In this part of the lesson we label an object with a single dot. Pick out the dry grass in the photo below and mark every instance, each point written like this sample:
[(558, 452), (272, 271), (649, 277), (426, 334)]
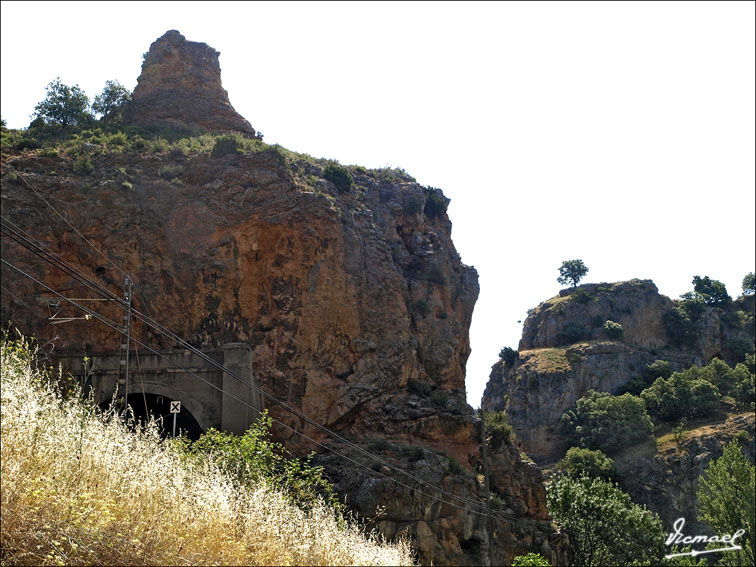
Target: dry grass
[(79, 489), (547, 360)]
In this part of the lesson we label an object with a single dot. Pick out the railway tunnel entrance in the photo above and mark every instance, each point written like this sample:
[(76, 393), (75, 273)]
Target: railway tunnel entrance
[(209, 396)]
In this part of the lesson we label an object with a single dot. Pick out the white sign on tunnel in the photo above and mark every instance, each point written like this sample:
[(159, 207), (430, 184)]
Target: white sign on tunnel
[(175, 406)]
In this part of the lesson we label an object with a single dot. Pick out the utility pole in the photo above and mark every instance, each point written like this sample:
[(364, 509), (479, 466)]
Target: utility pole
[(123, 375), (484, 449)]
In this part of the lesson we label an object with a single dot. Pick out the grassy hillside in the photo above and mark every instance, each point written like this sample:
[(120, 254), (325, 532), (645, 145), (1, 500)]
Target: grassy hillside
[(79, 488)]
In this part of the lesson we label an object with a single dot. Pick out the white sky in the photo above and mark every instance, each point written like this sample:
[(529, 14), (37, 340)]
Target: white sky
[(621, 133)]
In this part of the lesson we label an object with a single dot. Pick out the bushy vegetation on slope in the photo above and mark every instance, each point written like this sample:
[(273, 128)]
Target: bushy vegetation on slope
[(80, 487)]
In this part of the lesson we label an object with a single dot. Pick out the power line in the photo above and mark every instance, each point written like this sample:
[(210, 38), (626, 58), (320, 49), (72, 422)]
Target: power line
[(29, 185), (114, 326), (51, 258), (57, 262)]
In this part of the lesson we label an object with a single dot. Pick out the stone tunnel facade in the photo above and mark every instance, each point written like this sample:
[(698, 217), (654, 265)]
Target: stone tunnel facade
[(211, 401)]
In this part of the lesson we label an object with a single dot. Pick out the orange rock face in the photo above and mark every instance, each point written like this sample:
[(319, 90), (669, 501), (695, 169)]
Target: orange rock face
[(180, 86), (356, 305)]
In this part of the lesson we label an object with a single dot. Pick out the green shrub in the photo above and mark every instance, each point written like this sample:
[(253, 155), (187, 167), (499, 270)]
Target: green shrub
[(419, 388), (227, 145), (50, 152), (636, 384), (252, 458), (127, 185), (739, 347), (339, 176), (614, 331), (572, 333), (582, 296), (171, 171), (681, 395), (579, 461), (609, 423), (83, 165), (435, 202), (28, 144), (455, 466), (530, 560), (508, 355), (440, 398), (498, 430)]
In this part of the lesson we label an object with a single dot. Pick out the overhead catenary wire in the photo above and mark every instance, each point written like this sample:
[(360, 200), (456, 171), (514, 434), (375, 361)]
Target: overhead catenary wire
[(114, 326), (52, 258), (480, 512)]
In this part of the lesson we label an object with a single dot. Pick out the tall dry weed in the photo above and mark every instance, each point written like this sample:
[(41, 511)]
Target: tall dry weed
[(81, 488)]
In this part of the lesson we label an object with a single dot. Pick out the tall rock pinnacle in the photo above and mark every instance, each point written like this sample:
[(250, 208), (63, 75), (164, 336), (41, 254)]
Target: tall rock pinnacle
[(180, 86)]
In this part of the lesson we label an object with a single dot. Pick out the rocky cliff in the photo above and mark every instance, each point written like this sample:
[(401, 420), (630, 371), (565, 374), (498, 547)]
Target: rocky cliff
[(355, 301), (565, 351), (665, 477)]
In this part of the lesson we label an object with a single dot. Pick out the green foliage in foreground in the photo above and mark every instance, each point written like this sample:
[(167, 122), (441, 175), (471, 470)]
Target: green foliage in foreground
[(727, 495), (253, 458), (604, 526), (609, 423)]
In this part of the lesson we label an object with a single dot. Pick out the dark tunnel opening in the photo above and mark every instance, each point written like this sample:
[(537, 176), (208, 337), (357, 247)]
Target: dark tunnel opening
[(159, 407)]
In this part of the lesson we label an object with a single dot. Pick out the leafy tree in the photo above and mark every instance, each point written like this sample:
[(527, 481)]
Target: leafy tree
[(508, 355), (530, 560), (609, 423), (713, 292), (498, 430), (604, 525), (749, 284), (63, 105), (586, 462), (727, 497), (339, 176), (681, 395), (571, 272), (110, 101), (634, 386)]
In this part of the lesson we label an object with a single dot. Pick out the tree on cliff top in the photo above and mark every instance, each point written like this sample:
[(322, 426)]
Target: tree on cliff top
[(111, 100), (63, 105), (749, 284), (571, 272)]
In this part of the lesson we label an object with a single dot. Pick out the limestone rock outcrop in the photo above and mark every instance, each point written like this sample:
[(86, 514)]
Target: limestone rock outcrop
[(565, 352), (180, 87)]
